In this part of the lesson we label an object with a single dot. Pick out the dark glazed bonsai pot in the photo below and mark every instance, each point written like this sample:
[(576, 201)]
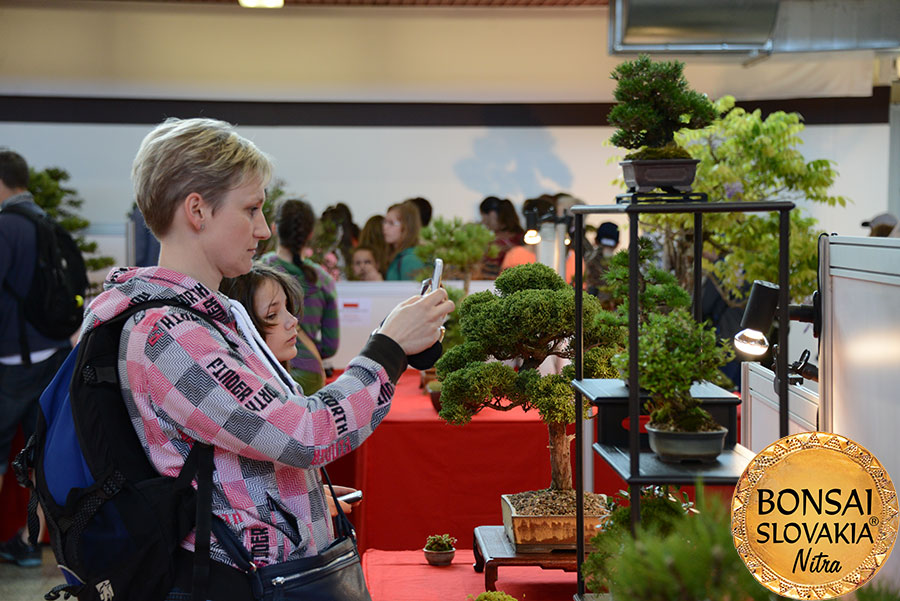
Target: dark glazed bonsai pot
[(676, 447), (439, 558), (667, 174)]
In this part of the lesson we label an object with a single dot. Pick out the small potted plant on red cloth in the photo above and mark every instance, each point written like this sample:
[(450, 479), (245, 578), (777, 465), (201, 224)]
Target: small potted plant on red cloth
[(439, 549)]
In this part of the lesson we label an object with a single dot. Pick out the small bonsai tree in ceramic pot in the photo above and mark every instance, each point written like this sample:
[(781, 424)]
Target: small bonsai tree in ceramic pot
[(439, 549), (674, 352), (654, 102)]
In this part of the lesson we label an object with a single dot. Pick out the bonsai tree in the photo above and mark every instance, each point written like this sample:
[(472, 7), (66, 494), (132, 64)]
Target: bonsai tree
[(694, 559), (62, 204), (744, 157), (461, 246), (440, 542), (274, 193), (492, 596), (661, 510), (674, 350), (654, 102), (529, 318)]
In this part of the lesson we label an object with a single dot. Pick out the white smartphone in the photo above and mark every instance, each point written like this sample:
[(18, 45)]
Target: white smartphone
[(437, 275), (351, 497), (434, 282)]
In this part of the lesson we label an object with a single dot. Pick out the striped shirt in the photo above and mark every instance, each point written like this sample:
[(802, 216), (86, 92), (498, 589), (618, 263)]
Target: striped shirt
[(182, 381)]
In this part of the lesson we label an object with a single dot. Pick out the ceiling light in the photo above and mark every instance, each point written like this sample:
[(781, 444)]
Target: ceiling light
[(261, 3)]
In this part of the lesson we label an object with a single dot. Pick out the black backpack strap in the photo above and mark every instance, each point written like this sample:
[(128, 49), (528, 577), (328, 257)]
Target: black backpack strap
[(200, 462)]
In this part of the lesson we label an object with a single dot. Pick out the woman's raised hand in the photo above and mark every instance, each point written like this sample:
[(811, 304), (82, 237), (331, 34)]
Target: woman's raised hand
[(415, 324)]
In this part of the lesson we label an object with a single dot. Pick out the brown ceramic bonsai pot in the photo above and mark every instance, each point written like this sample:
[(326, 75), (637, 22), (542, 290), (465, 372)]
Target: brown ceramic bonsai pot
[(666, 174), (676, 447), (439, 558)]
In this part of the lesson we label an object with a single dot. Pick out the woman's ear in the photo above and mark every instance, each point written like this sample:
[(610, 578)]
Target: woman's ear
[(195, 210)]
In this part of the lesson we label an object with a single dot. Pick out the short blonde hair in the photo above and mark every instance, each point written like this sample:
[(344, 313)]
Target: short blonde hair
[(182, 156)]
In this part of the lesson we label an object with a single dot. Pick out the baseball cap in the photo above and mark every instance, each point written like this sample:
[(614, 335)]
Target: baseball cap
[(883, 219)]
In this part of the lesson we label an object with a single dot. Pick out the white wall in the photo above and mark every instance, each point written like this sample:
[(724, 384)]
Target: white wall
[(454, 167), (163, 50)]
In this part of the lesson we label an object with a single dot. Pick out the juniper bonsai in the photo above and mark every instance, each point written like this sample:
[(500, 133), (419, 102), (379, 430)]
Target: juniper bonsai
[(674, 351), (654, 102), (530, 318)]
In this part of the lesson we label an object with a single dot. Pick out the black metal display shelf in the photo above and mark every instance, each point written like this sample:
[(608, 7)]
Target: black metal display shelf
[(727, 469), (635, 467)]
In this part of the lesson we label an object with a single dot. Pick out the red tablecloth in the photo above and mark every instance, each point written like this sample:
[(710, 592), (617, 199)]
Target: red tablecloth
[(422, 476), (406, 576)]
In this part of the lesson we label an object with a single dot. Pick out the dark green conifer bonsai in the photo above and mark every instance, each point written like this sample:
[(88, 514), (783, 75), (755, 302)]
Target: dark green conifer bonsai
[(531, 317), (674, 350), (654, 102)]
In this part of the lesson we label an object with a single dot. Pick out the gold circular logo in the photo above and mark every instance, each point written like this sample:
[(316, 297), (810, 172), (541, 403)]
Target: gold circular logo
[(814, 516)]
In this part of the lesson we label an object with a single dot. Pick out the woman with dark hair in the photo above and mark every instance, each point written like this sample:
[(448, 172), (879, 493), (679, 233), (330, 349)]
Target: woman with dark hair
[(319, 332), (401, 229), (273, 301), (499, 216), (372, 236)]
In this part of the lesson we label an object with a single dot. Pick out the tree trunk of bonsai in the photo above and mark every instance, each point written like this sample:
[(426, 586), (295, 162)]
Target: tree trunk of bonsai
[(560, 457)]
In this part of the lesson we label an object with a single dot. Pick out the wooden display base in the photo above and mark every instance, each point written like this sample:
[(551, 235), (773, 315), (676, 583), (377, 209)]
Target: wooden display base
[(492, 549)]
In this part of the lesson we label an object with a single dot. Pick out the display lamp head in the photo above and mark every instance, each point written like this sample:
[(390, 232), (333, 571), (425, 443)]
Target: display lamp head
[(760, 312), (757, 319), (532, 235)]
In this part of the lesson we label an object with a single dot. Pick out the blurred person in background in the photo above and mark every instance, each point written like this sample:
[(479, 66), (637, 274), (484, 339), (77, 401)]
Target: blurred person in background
[(401, 229), (319, 333)]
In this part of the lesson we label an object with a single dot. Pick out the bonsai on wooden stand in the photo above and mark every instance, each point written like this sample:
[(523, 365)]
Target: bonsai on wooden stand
[(530, 318)]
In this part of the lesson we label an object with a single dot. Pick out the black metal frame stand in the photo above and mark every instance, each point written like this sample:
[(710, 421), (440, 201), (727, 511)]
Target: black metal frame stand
[(633, 207)]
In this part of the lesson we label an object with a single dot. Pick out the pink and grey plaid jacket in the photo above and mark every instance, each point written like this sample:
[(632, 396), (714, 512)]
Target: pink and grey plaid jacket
[(182, 382)]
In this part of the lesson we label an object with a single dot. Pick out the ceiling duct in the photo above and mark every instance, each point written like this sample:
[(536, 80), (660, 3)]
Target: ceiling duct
[(752, 26)]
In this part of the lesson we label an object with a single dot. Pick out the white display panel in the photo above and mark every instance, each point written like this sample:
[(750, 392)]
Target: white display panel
[(860, 364), (759, 407)]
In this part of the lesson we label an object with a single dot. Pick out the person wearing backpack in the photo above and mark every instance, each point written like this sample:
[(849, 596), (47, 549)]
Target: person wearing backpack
[(28, 357), (189, 380)]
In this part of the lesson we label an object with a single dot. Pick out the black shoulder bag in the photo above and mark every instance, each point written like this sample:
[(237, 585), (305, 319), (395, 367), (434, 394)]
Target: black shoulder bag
[(335, 573)]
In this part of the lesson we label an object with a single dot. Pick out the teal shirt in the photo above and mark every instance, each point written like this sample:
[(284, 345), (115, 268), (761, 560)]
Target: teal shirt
[(405, 266)]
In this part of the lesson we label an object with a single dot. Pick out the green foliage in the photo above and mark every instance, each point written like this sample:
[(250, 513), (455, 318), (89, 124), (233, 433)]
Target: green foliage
[(673, 350), (274, 193), (493, 596), (530, 318), (452, 332), (746, 158), (62, 204), (654, 101), (461, 246), (660, 512), (440, 542), (325, 239), (881, 591), (695, 560)]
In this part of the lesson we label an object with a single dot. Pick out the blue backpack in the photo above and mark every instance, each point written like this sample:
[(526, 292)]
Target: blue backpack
[(115, 523)]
